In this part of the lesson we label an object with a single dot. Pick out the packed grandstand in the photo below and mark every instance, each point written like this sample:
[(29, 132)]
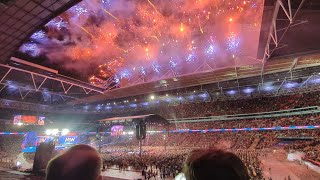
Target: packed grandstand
[(166, 146), (146, 83)]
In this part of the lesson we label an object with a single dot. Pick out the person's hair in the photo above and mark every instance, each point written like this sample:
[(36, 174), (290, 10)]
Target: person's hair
[(204, 164), (80, 162)]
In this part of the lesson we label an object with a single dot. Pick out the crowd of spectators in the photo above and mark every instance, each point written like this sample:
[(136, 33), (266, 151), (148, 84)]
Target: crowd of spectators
[(311, 148), (302, 120), (252, 162), (10, 147), (121, 151), (313, 153), (247, 144), (186, 109), (156, 161), (254, 105), (150, 164), (169, 164), (239, 140)]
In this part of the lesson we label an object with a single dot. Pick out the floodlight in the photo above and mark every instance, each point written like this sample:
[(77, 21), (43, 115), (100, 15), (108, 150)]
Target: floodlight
[(48, 132), (18, 163), (65, 132), (231, 92), (248, 90), (55, 131)]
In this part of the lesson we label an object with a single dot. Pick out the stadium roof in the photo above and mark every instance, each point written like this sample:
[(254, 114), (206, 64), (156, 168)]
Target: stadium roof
[(277, 73), (24, 81), (19, 19)]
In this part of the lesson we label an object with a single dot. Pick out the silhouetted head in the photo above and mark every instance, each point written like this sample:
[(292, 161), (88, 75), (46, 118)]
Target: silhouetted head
[(80, 162), (205, 164)]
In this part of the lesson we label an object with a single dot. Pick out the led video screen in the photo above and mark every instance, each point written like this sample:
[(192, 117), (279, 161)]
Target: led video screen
[(33, 139), (116, 130), (28, 120)]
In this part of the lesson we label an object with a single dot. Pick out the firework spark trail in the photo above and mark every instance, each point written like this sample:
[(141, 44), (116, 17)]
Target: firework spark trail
[(131, 48), (154, 7), (155, 37), (111, 14), (86, 31), (142, 25), (200, 27), (126, 51)]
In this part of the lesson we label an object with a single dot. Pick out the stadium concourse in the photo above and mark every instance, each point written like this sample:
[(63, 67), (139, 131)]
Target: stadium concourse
[(145, 84)]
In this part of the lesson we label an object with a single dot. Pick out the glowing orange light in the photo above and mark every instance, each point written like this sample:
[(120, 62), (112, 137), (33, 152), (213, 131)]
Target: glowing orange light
[(147, 50), (244, 2), (230, 19), (181, 28)]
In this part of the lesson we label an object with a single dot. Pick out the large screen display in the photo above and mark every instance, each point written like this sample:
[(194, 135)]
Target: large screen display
[(116, 130), (41, 120), (67, 140), (17, 120), (32, 140), (28, 120)]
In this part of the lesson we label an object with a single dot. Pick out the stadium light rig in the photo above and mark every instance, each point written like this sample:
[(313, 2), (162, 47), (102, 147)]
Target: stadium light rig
[(248, 90), (56, 132), (48, 132), (65, 131), (268, 87)]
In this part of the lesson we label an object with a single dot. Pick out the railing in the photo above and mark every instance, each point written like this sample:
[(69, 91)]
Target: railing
[(275, 128), (261, 115)]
